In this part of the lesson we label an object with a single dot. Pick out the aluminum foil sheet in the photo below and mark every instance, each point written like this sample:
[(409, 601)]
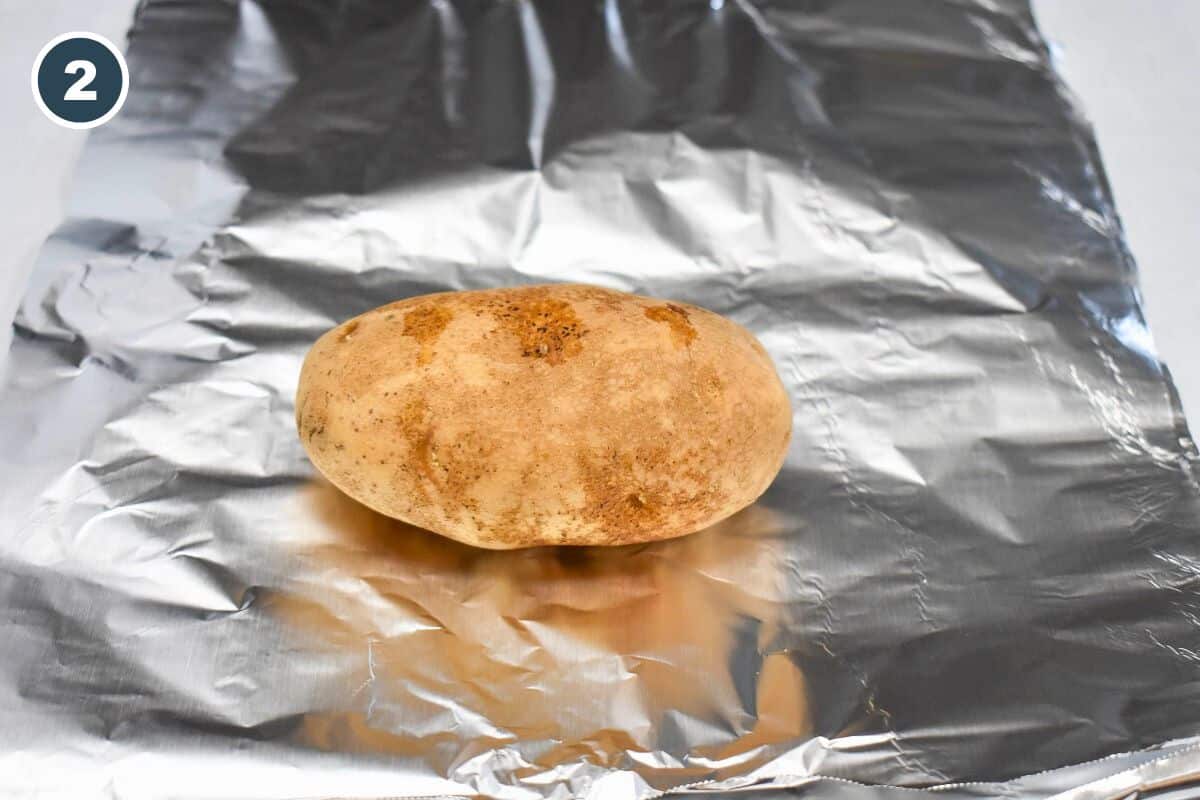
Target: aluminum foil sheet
[(979, 570)]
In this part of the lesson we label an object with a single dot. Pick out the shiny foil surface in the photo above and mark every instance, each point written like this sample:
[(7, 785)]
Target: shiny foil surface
[(978, 572)]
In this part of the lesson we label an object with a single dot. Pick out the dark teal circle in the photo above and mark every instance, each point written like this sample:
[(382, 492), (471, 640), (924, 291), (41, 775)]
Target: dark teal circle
[(53, 81)]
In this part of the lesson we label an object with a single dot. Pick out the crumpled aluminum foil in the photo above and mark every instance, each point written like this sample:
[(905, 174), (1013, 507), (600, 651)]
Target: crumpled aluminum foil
[(978, 571)]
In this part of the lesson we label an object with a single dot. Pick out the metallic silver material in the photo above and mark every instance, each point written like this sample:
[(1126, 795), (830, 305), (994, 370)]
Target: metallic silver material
[(979, 568)]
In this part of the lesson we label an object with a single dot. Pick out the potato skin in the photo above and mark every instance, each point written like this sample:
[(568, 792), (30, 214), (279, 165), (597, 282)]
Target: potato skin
[(535, 415)]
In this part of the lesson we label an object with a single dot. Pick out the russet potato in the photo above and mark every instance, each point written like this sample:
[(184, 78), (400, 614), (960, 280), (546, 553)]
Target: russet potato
[(535, 415)]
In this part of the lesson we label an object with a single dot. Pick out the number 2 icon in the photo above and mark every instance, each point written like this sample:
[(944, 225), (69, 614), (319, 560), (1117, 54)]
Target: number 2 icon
[(78, 90), (79, 80)]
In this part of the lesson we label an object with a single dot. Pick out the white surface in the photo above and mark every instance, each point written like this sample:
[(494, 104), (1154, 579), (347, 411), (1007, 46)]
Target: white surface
[(1133, 64), (37, 157)]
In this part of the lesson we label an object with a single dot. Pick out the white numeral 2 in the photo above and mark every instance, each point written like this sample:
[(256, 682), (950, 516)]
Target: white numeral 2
[(78, 89)]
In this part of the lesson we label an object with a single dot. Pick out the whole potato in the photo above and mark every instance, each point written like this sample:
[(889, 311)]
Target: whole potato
[(558, 414)]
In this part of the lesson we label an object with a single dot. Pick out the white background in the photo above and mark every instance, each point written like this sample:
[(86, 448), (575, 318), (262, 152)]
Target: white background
[(1134, 65)]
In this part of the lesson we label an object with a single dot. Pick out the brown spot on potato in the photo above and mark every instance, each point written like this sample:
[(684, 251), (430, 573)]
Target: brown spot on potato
[(621, 515), (412, 425), (710, 384), (425, 324), (426, 457), (348, 331), (312, 414), (545, 327), (676, 318)]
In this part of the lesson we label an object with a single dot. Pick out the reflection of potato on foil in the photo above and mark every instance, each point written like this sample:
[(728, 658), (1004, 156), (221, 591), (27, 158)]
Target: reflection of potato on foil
[(588, 652)]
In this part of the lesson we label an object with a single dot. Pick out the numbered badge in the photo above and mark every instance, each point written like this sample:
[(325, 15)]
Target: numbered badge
[(80, 80)]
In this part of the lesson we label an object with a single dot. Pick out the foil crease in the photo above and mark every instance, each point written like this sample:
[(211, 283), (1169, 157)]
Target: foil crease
[(978, 572)]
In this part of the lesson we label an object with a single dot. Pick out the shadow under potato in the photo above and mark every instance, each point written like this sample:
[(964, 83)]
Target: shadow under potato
[(562, 652)]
